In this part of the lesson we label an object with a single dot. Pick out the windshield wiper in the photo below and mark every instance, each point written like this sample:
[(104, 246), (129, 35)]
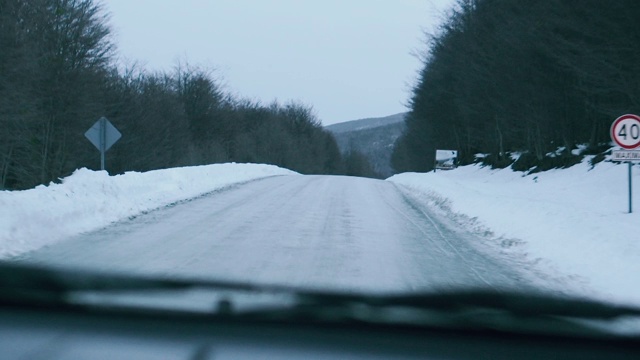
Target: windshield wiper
[(525, 304), (471, 308), (25, 285)]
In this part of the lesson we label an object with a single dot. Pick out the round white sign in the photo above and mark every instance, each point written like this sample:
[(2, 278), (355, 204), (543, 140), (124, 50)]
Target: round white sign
[(625, 131)]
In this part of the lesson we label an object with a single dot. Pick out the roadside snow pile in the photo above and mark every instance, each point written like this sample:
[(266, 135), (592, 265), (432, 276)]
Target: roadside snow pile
[(88, 200), (569, 222)]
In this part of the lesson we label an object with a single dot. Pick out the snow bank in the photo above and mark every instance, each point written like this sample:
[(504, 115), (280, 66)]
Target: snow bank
[(572, 221), (88, 200)]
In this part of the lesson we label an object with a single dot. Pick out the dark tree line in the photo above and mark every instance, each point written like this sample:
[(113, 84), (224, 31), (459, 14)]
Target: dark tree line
[(504, 76), (57, 77)]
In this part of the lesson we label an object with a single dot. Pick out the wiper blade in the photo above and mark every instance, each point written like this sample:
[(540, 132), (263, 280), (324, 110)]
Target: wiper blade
[(29, 286), (17, 279), (477, 309), (470, 308), (524, 304), (25, 282)]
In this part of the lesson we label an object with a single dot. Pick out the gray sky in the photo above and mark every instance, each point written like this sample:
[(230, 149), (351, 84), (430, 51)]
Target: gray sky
[(349, 59)]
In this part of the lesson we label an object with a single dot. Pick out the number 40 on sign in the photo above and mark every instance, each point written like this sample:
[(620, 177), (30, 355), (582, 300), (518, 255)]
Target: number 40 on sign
[(625, 131)]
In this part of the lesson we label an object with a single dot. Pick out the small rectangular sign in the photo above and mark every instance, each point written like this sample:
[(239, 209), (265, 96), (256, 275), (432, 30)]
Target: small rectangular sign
[(626, 155), (444, 155), (446, 159)]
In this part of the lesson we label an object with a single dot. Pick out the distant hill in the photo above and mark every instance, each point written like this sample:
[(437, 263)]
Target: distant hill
[(363, 124), (373, 137)]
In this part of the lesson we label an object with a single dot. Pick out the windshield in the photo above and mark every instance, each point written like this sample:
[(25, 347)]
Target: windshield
[(367, 148)]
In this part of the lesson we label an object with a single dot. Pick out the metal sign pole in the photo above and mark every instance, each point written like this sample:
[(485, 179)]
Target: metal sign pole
[(103, 140), (630, 189)]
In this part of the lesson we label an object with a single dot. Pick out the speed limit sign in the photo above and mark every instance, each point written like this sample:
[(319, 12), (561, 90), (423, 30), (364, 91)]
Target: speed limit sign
[(625, 131)]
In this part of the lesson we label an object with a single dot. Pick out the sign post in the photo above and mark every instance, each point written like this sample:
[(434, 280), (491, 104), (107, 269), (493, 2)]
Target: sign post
[(630, 189), (625, 132), (103, 135)]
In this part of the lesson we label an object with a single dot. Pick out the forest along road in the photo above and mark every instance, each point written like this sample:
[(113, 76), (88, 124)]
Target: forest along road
[(311, 231)]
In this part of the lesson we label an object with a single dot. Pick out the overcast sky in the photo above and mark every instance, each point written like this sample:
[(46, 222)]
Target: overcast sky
[(349, 59)]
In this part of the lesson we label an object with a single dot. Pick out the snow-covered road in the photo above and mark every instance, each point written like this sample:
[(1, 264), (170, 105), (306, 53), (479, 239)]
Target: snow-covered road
[(311, 231)]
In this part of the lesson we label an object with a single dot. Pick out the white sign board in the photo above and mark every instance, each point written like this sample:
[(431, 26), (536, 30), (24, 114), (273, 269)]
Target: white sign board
[(446, 159), (626, 155), (444, 155)]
